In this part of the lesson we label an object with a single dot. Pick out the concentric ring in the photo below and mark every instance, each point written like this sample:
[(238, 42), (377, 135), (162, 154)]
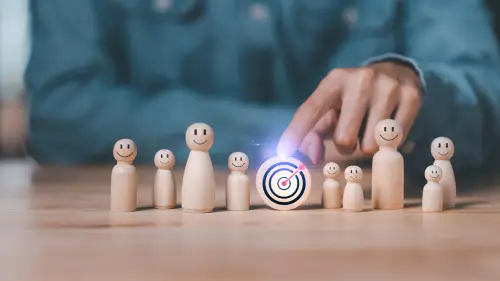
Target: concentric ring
[(273, 173)]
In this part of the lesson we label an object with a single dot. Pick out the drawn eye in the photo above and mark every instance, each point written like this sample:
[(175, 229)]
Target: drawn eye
[(241, 158), (393, 129), (351, 171), (128, 146), (121, 146), (385, 129), (195, 132), (439, 145), (167, 155), (205, 132), (161, 155), (356, 171), (446, 145), (235, 158)]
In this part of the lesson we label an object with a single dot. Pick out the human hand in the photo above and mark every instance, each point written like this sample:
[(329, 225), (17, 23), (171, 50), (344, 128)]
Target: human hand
[(339, 104)]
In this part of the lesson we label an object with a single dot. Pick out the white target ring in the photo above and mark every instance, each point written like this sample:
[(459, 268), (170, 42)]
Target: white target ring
[(283, 183)]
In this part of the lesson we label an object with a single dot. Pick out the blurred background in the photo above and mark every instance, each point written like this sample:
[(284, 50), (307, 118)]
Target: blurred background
[(14, 52)]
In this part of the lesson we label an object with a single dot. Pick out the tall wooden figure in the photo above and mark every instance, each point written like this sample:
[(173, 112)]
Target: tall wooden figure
[(238, 183), (442, 149), (123, 177), (432, 195), (388, 167), (164, 189), (332, 193), (198, 184), (353, 198)]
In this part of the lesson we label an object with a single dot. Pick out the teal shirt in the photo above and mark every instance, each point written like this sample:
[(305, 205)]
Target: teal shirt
[(102, 70)]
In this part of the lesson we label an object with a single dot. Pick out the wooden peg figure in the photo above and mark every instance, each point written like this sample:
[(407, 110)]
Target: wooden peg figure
[(238, 183), (123, 177), (164, 190), (442, 149), (332, 193), (198, 184), (353, 198), (432, 195), (388, 167)]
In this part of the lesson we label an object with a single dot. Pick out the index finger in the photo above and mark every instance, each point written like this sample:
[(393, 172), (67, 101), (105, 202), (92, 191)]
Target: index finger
[(310, 112)]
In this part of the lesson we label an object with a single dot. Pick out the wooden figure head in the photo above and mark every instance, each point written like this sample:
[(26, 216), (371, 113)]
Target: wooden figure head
[(125, 150), (353, 174), (238, 162), (433, 173), (442, 148), (331, 170), (200, 137), (164, 159), (388, 133)]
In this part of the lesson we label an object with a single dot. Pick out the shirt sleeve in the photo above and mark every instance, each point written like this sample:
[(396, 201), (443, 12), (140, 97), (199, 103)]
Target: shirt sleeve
[(79, 108), (452, 46)]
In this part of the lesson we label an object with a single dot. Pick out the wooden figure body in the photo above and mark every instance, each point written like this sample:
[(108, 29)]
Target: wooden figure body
[(332, 193), (123, 197), (238, 183), (388, 167), (353, 198), (442, 149), (198, 184), (164, 189), (432, 195)]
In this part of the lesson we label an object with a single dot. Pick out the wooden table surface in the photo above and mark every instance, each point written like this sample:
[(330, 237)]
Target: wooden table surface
[(55, 225)]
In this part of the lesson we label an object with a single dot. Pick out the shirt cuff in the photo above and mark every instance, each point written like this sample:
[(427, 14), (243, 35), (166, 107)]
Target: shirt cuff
[(402, 60)]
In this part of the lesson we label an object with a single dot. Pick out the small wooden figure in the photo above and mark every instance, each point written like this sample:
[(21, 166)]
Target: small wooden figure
[(238, 183), (164, 190), (442, 149), (198, 184), (432, 195), (123, 177), (353, 198), (388, 167), (332, 193)]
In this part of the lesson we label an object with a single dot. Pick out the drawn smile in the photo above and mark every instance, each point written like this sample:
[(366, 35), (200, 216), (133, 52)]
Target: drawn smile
[(200, 143), (353, 178), (164, 162), (238, 166), (442, 153), (334, 172), (389, 139), (125, 155), (435, 177)]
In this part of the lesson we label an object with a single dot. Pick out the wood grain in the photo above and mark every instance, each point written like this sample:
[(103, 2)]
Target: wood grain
[(56, 226)]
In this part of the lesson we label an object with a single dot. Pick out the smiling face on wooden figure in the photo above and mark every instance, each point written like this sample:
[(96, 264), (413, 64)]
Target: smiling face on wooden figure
[(442, 148), (331, 170), (353, 174), (238, 162), (388, 133), (125, 150), (164, 159), (200, 137)]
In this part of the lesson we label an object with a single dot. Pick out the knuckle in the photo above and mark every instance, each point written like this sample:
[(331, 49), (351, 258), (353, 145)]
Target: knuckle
[(311, 106), (345, 141), (336, 73), (410, 94), (365, 79), (388, 84)]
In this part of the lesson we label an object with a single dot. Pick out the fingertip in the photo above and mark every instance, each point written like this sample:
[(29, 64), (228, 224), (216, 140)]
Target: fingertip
[(285, 148)]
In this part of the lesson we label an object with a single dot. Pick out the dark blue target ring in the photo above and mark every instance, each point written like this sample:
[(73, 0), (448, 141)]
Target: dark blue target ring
[(299, 187)]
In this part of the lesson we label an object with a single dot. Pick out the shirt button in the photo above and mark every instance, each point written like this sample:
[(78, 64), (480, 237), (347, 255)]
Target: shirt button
[(350, 16), (259, 12), (161, 6)]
